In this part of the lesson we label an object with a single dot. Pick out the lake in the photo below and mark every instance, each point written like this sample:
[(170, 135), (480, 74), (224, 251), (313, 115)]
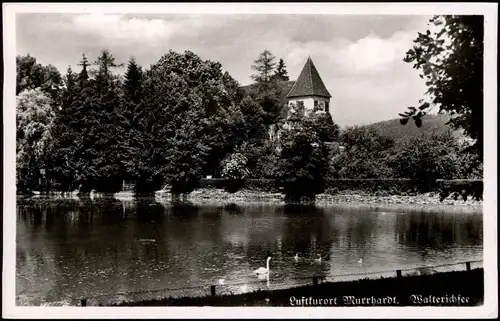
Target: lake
[(67, 249)]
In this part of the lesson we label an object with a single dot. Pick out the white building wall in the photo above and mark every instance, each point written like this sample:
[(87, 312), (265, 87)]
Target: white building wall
[(309, 102)]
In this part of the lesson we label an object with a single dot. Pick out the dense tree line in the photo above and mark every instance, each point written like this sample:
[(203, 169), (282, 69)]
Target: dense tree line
[(168, 125), (428, 156), (184, 118)]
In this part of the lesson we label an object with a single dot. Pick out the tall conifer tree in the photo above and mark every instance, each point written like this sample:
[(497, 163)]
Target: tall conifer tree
[(281, 73), (264, 66)]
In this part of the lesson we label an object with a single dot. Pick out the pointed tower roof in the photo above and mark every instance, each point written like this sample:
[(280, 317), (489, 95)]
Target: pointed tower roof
[(309, 83)]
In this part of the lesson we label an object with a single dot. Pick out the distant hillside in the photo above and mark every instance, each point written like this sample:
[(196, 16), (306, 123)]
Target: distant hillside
[(391, 128), (430, 124)]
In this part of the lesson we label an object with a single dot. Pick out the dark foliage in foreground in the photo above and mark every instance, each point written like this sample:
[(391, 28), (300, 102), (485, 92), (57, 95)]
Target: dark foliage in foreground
[(451, 62)]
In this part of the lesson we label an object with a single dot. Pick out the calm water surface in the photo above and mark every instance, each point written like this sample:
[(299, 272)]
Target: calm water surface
[(72, 248)]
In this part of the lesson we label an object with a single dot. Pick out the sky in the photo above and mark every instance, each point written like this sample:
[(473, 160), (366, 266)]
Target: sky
[(359, 57)]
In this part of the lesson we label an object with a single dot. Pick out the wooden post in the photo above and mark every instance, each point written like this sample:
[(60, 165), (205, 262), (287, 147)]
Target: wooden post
[(84, 302), (212, 289), (315, 280), (398, 273), (467, 265)]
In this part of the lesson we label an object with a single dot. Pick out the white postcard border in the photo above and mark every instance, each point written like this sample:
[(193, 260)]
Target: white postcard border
[(490, 307)]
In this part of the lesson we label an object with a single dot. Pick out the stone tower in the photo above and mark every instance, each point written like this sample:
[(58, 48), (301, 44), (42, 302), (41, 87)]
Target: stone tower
[(309, 92)]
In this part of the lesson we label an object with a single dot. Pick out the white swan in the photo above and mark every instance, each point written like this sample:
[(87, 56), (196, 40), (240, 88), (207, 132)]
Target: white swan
[(221, 281), (262, 270), (318, 259), (360, 261), (296, 257)]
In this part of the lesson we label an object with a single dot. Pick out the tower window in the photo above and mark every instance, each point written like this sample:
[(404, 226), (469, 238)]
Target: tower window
[(327, 106), (317, 105)]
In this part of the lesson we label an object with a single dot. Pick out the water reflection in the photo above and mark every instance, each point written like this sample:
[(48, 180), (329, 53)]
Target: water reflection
[(435, 233), (233, 208), (72, 247)]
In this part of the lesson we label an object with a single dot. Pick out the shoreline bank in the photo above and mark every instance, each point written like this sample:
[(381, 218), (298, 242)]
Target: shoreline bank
[(440, 289), (413, 289), (354, 198), (219, 196)]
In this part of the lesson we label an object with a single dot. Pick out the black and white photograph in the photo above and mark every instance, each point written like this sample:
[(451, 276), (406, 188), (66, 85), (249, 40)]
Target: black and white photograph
[(307, 156)]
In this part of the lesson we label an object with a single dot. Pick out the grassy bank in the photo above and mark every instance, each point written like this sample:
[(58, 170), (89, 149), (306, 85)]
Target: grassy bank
[(441, 289)]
